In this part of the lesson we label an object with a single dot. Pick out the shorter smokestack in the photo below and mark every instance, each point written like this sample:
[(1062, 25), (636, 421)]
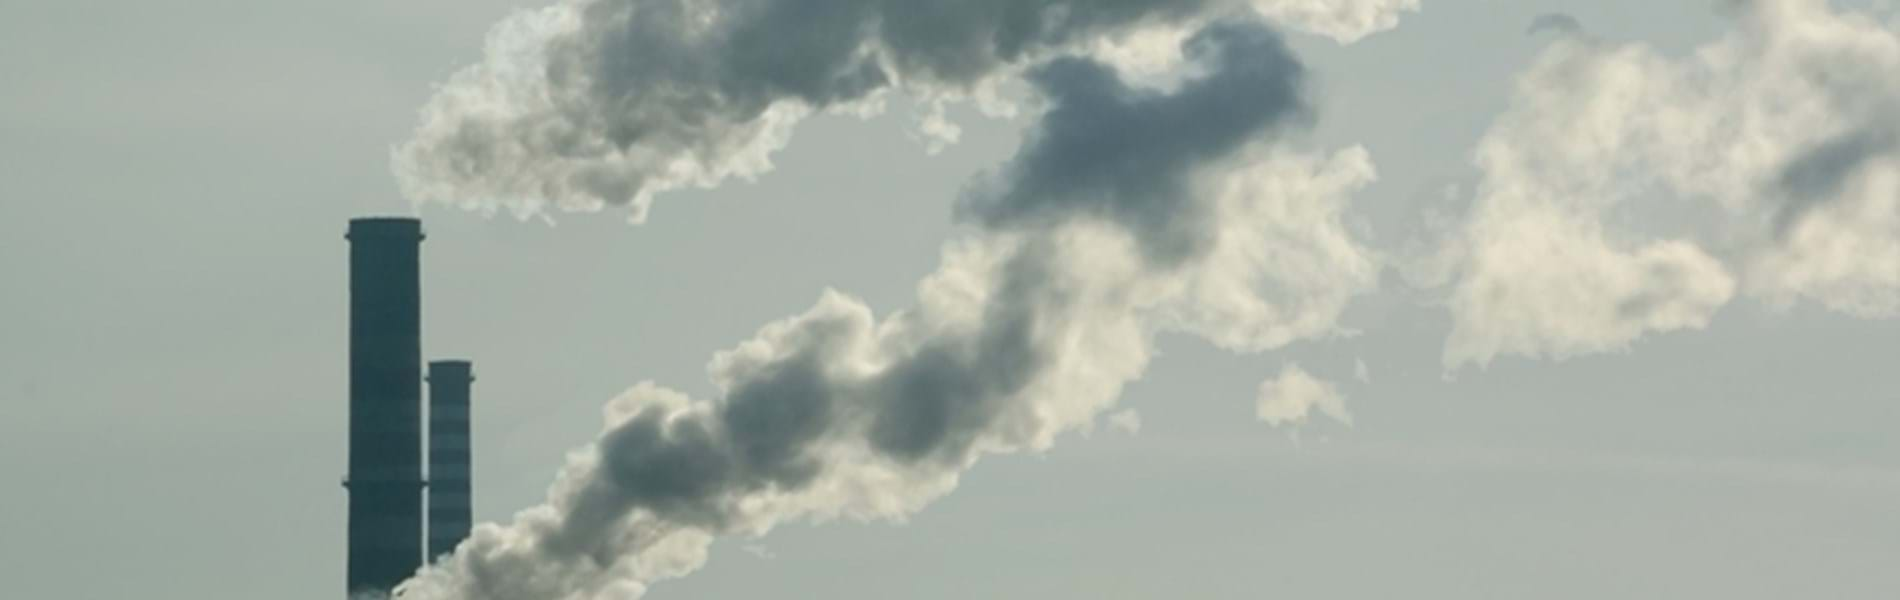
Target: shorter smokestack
[(450, 508)]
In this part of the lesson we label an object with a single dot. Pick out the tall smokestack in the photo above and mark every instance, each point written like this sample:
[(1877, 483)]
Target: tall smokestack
[(450, 510), (385, 478)]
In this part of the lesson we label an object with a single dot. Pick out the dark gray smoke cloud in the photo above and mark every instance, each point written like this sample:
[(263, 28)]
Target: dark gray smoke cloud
[(1813, 178), (595, 103), (1129, 155), (1028, 330)]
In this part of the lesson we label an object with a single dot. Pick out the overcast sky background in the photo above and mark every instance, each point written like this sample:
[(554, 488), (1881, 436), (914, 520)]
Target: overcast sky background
[(175, 179)]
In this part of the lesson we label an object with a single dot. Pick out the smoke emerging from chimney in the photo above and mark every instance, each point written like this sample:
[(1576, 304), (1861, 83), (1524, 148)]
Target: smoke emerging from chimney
[(596, 103), (1129, 212)]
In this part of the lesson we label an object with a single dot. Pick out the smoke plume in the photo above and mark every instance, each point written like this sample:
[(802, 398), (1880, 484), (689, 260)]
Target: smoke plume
[(596, 103), (1129, 212), (1626, 191)]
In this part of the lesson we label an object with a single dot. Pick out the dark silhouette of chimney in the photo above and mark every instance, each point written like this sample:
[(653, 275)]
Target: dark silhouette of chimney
[(385, 465), (450, 509)]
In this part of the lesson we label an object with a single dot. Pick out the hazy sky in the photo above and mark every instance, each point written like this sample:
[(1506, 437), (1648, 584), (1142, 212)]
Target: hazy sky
[(175, 179)]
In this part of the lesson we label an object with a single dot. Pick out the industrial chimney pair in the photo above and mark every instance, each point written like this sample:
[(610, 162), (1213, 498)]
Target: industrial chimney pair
[(385, 482)]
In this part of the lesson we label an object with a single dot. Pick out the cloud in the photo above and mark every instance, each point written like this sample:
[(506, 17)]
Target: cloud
[(1028, 330), (1626, 191), (588, 104), (1125, 421), (1292, 397)]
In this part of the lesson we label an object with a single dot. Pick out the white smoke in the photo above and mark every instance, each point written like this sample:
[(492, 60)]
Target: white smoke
[(1181, 215), (594, 103), (1626, 191), (1345, 22), (1291, 398)]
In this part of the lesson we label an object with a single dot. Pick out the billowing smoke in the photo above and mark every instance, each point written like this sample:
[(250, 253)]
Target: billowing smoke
[(595, 103), (1129, 212), (1627, 191), (1137, 172)]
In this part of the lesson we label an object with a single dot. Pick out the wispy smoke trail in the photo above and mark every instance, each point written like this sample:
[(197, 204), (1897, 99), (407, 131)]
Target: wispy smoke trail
[(1129, 212), (595, 103)]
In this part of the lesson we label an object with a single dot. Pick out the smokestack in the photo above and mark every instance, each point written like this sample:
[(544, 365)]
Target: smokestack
[(385, 478), (450, 510)]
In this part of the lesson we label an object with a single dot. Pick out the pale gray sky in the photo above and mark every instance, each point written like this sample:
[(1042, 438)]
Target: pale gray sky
[(175, 180)]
